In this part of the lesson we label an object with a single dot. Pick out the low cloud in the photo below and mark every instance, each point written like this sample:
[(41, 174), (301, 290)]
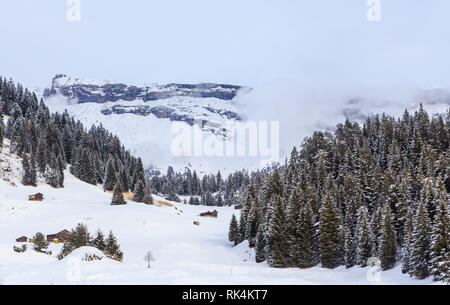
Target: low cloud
[(302, 109)]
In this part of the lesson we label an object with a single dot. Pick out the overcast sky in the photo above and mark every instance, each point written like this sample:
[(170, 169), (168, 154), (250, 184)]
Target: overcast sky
[(248, 42)]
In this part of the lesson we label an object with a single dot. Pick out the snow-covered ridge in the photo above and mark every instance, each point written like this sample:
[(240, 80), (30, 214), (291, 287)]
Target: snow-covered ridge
[(212, 103), (87, 91)]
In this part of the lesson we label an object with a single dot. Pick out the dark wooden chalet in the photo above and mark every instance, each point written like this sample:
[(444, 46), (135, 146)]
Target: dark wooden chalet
[(60, 236), (22, 239), (36, 197), (210, 214)]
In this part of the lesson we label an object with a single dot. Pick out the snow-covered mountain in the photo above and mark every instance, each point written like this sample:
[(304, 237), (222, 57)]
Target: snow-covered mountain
[(177, 102), (143, 117)]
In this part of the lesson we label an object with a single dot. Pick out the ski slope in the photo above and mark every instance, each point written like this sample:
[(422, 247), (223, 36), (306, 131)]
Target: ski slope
[(184, 253)]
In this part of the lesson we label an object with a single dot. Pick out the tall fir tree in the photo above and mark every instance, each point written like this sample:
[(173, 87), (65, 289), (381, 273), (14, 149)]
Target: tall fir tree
[(233, 233), (117, 198), (99, 241), (253, 222), (112, 247), (110, 175), (29, 175), (278, 255), (139, 192), (440, 248), (421, 244), (306, 241), (408, 239), (242, 227), (388, 240), (260, 247), (365, 240), (330, 230)]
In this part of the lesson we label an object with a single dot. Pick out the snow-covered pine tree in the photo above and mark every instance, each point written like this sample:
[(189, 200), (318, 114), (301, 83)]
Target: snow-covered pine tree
[(60, 167), (33, 171), (27, 178), (440, 248), (253, 222), (273, 186), (247, 203), (242, 228), (306, 245), (278, 248), (388, 240), (330, 230), (78, 237), (421, 245), (365, 239), (408, 239), (375, 226), (292, 215), (405, 201), (68, 140), (40, 242), (117, 198), (233, 233), (42, 153), (260, 247), (427, 197), (112, 248), (125, 179), (349, 247), (99, 241), (87, 173), (350, 238), (138, 174), (139, 192), (51, 176), (110, 175), (219, 199)]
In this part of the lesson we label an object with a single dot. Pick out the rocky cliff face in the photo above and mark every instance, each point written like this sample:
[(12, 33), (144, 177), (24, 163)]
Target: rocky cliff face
[(177, 102), (96, 92)]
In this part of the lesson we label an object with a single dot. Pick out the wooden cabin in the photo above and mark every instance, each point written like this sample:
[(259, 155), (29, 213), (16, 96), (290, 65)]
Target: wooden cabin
[(63, 235), (210, 214), (36, 197), (59, 237), (22, 239), (238, 207)]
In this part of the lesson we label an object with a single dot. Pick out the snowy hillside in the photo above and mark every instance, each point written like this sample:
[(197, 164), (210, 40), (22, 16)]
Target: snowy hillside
[(184, 253)]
